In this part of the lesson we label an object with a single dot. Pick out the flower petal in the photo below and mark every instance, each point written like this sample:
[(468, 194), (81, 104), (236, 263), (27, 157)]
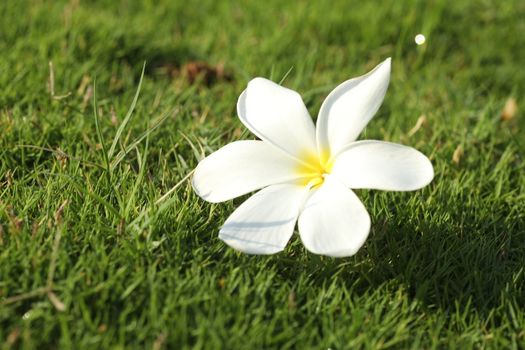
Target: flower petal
[(383, 166), (333, 221), (241, 167), (264, 223), (349, 107), (277, 115)]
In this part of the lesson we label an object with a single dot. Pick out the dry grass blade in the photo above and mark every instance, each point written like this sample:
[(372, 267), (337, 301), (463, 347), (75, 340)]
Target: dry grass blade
[(509, 110)]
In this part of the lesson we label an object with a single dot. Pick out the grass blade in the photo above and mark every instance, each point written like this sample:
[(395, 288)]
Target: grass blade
[(127, 118)]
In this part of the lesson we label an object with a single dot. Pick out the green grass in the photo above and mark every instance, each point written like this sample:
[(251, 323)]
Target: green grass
[(93, 255)]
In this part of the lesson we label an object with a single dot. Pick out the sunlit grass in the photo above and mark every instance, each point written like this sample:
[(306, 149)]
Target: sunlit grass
[(104, 244)]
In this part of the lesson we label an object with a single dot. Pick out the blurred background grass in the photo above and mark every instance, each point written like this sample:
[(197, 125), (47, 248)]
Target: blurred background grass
[(87, 259)]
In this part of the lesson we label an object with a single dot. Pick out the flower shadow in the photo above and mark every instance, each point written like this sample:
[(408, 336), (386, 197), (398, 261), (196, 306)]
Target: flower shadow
[(445, 267), (445, 264)]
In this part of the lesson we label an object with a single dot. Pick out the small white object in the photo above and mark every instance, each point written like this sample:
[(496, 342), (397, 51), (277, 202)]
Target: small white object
[(420, 39)]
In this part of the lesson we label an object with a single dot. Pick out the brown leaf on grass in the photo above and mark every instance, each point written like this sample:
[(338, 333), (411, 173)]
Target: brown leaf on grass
[(458, 154), (509, 110), (195, 70)]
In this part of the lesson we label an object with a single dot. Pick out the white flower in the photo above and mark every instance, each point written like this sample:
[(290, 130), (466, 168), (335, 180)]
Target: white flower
[(307, 173)]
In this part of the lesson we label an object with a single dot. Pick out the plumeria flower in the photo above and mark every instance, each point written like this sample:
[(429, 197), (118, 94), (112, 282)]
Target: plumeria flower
[(307, 173)]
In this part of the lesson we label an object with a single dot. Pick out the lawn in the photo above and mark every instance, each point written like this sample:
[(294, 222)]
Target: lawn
[(104, 244)]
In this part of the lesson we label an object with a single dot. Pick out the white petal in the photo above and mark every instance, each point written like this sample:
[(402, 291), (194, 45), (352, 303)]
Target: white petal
[(349, 107), (241, 167), (277, 115), (265, 222), (383, 166), (333, 221)]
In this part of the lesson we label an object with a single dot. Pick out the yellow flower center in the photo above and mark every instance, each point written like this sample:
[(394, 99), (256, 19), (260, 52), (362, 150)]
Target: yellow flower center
[(314, 168)]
